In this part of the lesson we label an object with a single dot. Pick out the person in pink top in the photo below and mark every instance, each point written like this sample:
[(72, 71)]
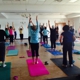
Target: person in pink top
[(11, 34)]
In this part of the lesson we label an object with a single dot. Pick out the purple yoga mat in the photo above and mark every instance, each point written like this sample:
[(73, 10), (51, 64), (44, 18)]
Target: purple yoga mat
[(29, 53), (11, 48), (36, 69), (41, 43)]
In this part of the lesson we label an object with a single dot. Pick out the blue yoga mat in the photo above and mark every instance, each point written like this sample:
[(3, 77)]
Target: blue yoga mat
[(12, 53), (46, 45), (74, 51), (56, 53), (7, 43), (58, 44)]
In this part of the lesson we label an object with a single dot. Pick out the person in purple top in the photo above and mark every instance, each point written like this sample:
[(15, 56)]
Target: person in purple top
[(66, 39)]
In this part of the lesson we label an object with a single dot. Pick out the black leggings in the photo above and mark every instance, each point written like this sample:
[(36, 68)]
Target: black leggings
[(14, 36), (11, 38), (21, 36), (41, 37), (35, 49), (45, 39), (67, 48), (2, 51), (29, 39), (53, 44)]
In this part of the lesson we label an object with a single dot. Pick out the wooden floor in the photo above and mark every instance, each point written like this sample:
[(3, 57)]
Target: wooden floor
[(19, 67)]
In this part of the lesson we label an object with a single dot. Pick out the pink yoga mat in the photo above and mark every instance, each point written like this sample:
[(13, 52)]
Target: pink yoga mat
[(10, 47), (29, 53), (36, 69)]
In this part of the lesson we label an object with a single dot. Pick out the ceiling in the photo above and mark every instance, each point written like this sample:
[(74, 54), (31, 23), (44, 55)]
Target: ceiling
[(43, 8), (13, 2)]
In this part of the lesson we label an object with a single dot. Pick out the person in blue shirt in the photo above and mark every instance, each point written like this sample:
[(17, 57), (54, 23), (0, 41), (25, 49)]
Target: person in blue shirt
[(34, 40), (52, 36), (45, 35), (66, 39)]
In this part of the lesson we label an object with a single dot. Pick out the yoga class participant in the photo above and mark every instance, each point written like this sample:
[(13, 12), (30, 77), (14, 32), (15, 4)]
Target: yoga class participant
[(15, 34), (66, 39), (7, 33), (45, 33), (52, 36), (21, 33), (34, 40), (2, 46), (41, 29)]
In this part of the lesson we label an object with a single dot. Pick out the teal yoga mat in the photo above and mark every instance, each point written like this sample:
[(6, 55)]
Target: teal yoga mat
[(12, 53), (5, 73)]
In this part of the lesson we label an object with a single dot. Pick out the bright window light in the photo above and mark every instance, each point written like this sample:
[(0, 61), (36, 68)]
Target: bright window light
[(73, 0)]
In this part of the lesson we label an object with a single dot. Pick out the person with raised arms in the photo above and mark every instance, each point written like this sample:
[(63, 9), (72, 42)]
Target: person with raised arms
[(34, 40)]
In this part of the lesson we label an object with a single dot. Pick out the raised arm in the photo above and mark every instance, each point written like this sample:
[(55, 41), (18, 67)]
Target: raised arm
[(54, 23), (68, 23), (29, 21), (46, 24), (12, 25), (36, 18), (49, 24)]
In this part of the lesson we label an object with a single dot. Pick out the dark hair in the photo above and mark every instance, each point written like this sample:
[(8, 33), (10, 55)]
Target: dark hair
[(10, 27), (45, 28), (66, 28), (20, 28), (6, 28)]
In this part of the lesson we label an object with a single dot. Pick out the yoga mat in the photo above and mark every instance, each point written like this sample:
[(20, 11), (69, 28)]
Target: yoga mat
[(10, 47), (41, 43), (36, 69), (58, 44), (56, 53), (29, 53), (69, 71), (76, 52), (7, 43), (12, 53), (66, 78), (46, 45), (5, 73)]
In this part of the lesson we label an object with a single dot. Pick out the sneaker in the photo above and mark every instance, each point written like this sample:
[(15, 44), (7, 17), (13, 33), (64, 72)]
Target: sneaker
[(71, 65), (4, 65)]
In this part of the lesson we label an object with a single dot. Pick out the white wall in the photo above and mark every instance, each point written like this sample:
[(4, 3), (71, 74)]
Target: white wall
[(17, 24), (76, 24)]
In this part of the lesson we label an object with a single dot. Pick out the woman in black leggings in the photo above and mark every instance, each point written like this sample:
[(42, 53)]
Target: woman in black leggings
[(52, 36), (34, 40)]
